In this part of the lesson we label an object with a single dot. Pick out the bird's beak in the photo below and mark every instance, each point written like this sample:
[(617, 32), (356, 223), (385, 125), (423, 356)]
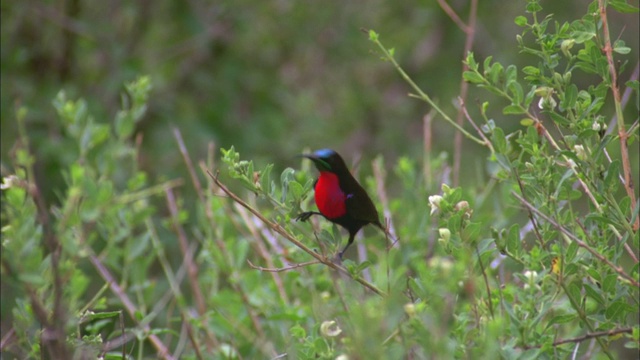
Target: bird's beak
[(317, 161), (308, 156)]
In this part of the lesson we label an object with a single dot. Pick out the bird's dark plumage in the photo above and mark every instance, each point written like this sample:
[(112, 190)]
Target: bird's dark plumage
[(339, 196)]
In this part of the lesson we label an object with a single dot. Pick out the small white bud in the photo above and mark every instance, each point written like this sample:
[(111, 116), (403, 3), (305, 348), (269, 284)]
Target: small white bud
[(328, 329)]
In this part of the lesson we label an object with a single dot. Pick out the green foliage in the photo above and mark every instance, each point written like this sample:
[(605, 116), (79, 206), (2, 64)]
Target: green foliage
[(535, 260)]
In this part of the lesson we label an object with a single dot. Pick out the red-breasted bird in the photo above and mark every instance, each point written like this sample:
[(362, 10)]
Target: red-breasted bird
[(339, 196)]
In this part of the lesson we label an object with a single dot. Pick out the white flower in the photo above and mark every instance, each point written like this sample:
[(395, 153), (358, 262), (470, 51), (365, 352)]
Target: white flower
[(580, 152), (531, 278), (547, 103), (328, 329), (434, 202), (410, 309), (445, 234)]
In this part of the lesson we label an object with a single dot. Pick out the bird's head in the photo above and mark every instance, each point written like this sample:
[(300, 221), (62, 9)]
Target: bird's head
[(327, 160)]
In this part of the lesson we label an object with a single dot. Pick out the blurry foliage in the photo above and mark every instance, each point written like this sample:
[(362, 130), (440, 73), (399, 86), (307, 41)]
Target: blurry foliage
[(245, 73), (105, 232)]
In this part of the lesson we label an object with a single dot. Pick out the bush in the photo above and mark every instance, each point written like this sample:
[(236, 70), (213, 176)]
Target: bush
[(538, 259)]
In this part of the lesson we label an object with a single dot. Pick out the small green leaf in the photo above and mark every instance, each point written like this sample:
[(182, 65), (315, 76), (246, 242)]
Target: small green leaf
[(620, 47), (570, 97), (573, 291), (559, 119), (296, 190), (609, 283), (526, 122), (499, 140), (594, 293), (618, 310), (516, 91), (265, 179), (623, 6), (513, 110), (471, 62), (572, 250), (473, 77), (521, 21), (533, 7), (561, 319), (513, 240), (583, 31)]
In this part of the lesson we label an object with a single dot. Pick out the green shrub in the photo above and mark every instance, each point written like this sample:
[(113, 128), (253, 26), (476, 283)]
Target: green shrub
[(536, 260)]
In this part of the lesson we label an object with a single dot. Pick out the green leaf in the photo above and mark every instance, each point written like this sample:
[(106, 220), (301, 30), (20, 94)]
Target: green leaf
[(572, 250), (609, 283), (513, 240), (594, 293), (533, 7), (561, 319), (559, 119), (620, 48), (583, 31), (296, 190), (285, 178), (516, 90), (521, 21), (265, 179), (526, 122), (100, 315), (612, 174), (471, 62), (473, 77), (623, 6), (573, 290), (513, 110), (499, 141), (570, 97), (618, 310), (495, 74), (511, 74)]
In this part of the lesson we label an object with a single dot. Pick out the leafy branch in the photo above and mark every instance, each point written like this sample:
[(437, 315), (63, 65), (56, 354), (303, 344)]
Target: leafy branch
[(291, 238)]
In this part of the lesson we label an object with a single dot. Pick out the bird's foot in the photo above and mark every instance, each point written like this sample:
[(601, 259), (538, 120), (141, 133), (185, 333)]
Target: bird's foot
[(306, 215)]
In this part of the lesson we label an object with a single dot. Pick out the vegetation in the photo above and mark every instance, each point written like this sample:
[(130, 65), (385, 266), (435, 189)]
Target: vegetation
[(521, 244)]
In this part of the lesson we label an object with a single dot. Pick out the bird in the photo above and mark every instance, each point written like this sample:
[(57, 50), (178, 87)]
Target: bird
[(339, 196)]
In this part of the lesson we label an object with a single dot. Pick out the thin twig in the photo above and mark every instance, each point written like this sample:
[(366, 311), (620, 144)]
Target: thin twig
[(463, 107), (192, 268), (163, 351), (286, 268), (486, 282), (421, 95), (586, 336), (452, 14), (622, 133), (427, 120), (379, 174), (187, 160), (256, 227), (470, 30)]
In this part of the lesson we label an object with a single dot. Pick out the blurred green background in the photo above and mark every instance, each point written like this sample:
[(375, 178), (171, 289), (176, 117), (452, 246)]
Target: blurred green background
[(269, 77)]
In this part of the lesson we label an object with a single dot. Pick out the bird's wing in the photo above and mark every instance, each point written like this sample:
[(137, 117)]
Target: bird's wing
[(361, 207)]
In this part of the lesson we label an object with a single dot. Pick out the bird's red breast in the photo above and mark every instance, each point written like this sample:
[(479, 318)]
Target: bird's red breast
[(329, 197)]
